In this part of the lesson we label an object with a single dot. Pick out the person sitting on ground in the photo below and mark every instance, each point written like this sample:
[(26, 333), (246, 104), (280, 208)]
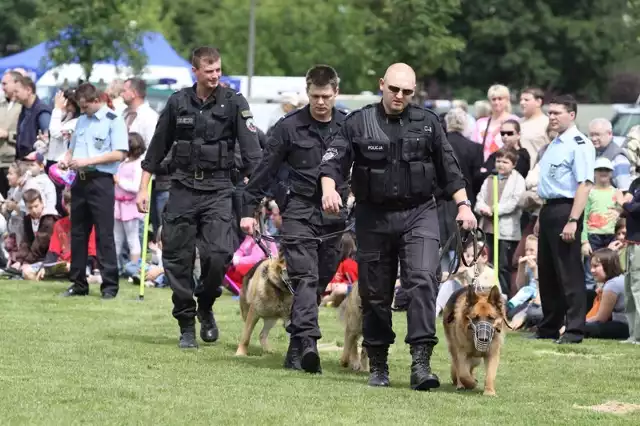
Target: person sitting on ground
[(38, 228), (345, 276), (39, 180), (465, 276), (60, 247), (246, 256), (526, 278), (154, 271), (607, 320)]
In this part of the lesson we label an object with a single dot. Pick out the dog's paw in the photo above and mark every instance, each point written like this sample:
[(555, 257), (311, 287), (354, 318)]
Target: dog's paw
[(489, 392), (355, 366)]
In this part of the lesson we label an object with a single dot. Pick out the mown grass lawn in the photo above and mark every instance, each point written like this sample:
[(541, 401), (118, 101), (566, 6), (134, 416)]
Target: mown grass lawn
[(87, 361)]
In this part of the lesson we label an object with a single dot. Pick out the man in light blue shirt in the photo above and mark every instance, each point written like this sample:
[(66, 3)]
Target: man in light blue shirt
[(566, 177), (99, 143)]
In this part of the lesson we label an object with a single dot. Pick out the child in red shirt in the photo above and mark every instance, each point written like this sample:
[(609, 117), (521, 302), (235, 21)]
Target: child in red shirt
[(346, 274)]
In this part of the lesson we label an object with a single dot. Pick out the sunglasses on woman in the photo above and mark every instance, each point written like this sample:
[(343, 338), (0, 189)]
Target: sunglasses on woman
[(507, 133)]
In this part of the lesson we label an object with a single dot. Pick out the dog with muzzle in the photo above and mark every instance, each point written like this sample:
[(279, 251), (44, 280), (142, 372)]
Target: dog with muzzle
[(473, 324)]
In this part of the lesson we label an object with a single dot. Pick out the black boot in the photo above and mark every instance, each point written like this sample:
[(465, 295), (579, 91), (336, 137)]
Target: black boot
[(208, 327), (310, 361), (188, 337), (293, 359), (421, 376), (378, 367)]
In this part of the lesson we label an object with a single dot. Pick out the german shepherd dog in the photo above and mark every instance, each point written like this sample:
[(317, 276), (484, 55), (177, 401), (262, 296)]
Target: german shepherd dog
[(471, 319), (351, 314), (264, 295)]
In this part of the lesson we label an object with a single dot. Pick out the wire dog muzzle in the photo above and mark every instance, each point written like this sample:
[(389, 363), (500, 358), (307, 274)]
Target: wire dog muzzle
[(483, 332)]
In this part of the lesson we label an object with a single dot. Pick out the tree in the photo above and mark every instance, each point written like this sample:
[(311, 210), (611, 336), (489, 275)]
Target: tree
[(14, 15), (558, 46), (90, 31)]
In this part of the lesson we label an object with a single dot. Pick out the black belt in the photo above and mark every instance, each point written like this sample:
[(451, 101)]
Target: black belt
[(92, 174), (202, 174), (553, 201)]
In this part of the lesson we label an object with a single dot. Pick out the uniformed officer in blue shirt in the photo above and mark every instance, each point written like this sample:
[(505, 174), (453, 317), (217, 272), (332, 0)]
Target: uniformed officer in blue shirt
[(566, 177), (99, 143)]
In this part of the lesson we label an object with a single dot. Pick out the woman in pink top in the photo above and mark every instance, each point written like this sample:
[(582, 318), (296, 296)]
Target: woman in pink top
[(127, 182), (487, 130), (248, 254)]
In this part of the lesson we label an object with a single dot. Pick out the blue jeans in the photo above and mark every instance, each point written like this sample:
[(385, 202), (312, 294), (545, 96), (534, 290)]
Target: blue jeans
[(523, 295), (596, 241)]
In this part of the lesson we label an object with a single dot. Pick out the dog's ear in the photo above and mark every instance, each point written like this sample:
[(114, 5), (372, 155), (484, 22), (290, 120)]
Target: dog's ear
[(472, 297), (495, 297)]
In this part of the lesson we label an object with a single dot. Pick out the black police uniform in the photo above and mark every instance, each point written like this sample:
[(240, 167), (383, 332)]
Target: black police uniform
[(398, 162), (201, 136), (298, 141)]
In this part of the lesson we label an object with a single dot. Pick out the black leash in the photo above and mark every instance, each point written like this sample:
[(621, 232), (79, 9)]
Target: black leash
[(457, 243)]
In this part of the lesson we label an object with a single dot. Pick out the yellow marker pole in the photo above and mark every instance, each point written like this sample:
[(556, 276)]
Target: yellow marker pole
[(496, 229), (145, 243)]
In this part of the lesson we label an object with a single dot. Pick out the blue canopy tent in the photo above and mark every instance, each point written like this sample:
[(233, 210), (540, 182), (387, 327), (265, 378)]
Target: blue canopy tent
[(158, 51)]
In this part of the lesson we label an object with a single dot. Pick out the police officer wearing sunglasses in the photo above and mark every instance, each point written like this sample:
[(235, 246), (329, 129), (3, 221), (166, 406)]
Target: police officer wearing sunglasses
[(198, 128), (400, 155)]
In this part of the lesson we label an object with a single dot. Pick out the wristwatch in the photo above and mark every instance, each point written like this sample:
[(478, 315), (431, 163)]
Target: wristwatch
[(572, 220), (464, 203)]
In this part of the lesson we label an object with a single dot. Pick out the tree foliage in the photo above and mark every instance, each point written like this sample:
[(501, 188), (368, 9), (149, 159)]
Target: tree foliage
[(90, 31), (463, 46)]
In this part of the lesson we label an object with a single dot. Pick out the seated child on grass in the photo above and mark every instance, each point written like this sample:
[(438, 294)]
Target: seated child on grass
[(60, 246), (38, 228)]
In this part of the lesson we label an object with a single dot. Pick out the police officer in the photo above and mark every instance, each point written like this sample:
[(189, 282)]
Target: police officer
[(99, 143), (299, 141), (566, 177), (199, 125), (399, 155)]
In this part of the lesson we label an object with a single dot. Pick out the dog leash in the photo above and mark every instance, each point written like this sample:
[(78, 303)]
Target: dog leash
[(457, 243)]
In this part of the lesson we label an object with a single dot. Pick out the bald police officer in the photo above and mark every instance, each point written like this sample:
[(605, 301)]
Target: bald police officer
[(98, 145), (199, 125), (399, 155), (298, 141), (566, 177)]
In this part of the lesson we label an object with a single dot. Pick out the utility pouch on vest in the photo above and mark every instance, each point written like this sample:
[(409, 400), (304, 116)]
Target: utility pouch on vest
[(181, 156)]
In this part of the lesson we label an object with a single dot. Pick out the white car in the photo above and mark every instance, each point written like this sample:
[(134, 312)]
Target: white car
[(625, 118)]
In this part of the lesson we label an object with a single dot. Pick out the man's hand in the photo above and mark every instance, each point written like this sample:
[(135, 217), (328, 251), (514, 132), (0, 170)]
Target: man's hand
[(249, 225), (569, 232), (142, 201), (466, 216), (586, 249), (331, 201), (79, 163)]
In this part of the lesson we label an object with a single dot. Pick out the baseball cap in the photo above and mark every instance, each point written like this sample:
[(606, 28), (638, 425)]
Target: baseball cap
[(603, 163)]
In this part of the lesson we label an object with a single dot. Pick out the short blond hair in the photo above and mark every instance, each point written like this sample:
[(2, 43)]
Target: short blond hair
[(532, 237), (482, 109), (500, 91)]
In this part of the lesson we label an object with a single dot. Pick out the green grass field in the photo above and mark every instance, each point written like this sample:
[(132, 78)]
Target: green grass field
[(92, 362)]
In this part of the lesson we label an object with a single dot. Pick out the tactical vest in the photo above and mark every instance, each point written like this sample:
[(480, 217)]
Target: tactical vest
[(305, 155), (202, 140), (394, 172)]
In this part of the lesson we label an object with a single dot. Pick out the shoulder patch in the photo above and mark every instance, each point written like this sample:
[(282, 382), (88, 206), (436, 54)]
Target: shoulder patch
[(579, 140), (111, 115), (246, 114)]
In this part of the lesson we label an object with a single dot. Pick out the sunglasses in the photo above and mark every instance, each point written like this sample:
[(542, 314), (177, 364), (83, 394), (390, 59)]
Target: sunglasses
[(405, 92), (507, 133)]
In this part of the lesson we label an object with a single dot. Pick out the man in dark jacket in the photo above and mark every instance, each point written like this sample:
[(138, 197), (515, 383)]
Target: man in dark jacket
[(34, 117)]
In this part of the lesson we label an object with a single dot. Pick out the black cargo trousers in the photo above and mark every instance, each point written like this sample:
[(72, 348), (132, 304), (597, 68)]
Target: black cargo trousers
[(203, 219), (310, 265), (384, 236)]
